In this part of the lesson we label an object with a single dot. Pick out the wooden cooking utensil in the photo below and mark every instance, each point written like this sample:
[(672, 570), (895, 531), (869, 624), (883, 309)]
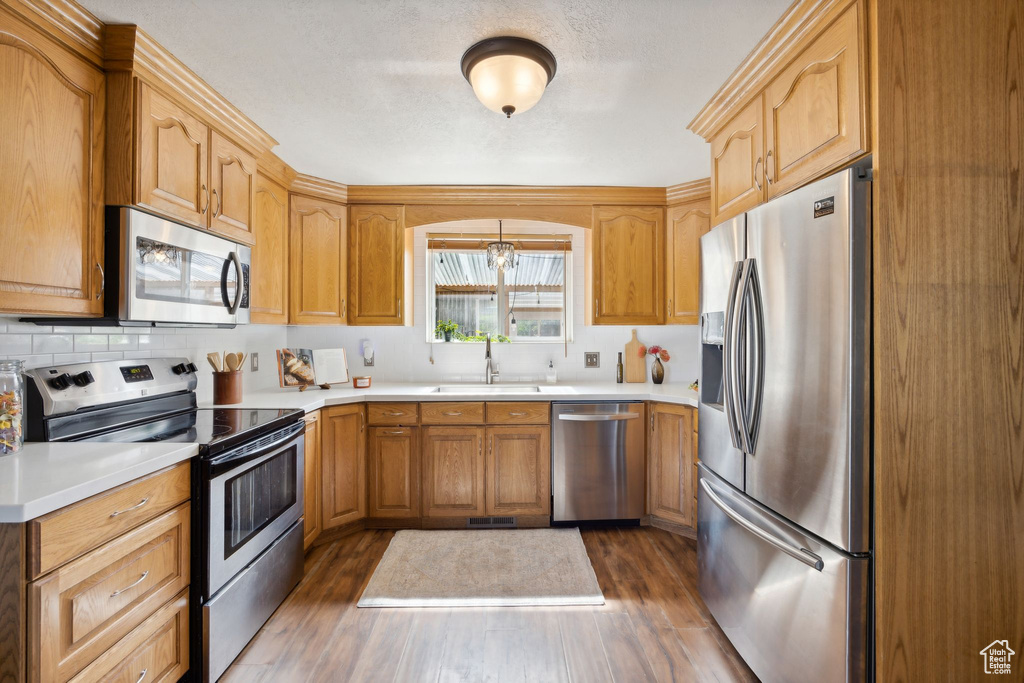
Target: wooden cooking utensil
[(214, 359), (636, 365), (231, 361)]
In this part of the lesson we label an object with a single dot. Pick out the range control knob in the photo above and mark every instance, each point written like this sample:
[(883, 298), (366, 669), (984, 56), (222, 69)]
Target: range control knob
[(180, 369), (192, 368), (84, 378), (61, 382)]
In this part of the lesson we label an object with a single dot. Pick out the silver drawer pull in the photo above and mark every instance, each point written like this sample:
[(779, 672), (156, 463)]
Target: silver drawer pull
[(517, 414), (453, 414), (395, 433), (394, 414), (131, 585), (133, 507), (142, 675)]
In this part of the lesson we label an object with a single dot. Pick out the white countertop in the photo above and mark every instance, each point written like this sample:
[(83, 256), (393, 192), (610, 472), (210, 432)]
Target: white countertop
[(316, 398), (43, 477)]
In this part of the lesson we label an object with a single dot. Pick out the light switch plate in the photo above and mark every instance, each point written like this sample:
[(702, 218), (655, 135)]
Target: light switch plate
[(254, 361), (591, 359)]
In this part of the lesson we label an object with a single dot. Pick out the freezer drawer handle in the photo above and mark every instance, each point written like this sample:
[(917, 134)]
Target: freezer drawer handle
[(801, 554), (600, 417)]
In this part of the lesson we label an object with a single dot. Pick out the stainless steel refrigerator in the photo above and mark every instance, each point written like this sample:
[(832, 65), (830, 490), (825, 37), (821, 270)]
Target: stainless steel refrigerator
[(784, 488)]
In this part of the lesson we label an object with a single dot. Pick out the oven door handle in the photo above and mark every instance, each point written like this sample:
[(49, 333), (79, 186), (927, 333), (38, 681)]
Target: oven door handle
[(243, 455)]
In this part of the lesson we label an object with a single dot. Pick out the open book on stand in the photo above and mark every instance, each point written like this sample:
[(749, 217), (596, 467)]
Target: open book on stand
[(308, 367)]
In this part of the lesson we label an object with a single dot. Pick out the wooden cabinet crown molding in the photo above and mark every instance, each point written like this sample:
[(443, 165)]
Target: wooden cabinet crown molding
[(321, 188), (799, 25), (276, 169), (504, 195), (684, 193), (129, 48), (67, 22)]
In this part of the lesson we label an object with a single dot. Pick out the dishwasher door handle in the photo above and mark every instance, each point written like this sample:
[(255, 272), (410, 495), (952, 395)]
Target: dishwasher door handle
[(607, 417)]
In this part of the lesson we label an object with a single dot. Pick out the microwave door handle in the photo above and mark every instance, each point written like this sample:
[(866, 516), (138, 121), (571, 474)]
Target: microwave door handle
[(801, 554), (232, 259), (755, 329), (730, 347)]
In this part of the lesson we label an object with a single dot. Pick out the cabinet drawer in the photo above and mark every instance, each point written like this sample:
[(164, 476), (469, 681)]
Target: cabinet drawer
[(532, 413), (83, 608), (155, 652), (452, 413), (393, 413), (72, 531)]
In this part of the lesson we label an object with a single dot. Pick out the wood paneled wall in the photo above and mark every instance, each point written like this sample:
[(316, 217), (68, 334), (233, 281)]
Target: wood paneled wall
[(949, 337)]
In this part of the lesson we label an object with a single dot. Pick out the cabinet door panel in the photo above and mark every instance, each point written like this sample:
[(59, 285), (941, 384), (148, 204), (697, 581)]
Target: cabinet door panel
[(686, 224), (171, 161), (318, 288), (670, 464), (816, 108), (628, 265), (269, 280), (377, 266), (233, 187), (51, 175), (518, 471), (342, 465), (737, 163), (453, 472), (394, 472), (312, 525)]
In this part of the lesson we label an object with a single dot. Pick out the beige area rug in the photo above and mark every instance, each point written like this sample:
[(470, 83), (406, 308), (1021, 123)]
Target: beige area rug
[(483, 568)]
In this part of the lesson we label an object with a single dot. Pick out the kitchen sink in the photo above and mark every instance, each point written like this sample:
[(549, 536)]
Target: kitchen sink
[(487, 389)]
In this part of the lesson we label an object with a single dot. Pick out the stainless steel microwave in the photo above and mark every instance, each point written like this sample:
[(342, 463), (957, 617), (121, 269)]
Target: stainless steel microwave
[(170, 274)]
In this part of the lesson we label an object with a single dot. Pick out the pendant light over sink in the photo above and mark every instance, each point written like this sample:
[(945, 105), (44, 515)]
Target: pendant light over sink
[(508, 74), (501, 255)]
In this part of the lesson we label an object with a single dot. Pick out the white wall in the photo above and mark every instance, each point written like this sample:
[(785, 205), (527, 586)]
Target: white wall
[(402, 353), (44, 345)]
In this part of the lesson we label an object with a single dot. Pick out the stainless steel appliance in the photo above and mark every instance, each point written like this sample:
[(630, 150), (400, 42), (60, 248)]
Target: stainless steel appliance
[(597, 461), (247, 498), (784, 530)]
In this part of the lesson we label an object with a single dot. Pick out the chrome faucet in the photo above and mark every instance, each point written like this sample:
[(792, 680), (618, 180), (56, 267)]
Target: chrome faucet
[(492, 370)]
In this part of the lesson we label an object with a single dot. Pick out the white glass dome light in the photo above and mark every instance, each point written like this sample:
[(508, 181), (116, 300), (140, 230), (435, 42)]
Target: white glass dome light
[(508, 75)]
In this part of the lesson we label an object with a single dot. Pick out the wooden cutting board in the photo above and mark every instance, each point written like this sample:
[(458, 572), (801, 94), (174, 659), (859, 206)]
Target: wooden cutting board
[(635, 365)]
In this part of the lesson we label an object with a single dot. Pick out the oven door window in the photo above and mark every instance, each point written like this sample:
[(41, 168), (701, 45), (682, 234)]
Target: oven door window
[(258, 496), (174, 274)]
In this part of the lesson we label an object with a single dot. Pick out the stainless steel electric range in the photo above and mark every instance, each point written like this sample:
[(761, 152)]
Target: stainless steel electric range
[(247, 494)]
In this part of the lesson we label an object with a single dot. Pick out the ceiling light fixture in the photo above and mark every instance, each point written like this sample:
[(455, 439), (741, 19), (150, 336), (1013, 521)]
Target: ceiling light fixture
[(508, 74), (501, 255)]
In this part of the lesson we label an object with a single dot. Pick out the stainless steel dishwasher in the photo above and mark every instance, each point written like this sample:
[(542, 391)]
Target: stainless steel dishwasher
[(597, 461)]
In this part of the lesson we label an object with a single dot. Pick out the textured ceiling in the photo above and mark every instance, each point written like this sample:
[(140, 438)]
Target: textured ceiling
[(370, 91)]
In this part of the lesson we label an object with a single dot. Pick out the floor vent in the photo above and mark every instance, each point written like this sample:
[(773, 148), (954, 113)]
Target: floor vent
[(491, 523)]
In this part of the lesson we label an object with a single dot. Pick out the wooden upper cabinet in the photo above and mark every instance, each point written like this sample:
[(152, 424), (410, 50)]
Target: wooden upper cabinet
[(453, 471), (318, 231), (394, 472), (269, 280), (342, 465), (670, 463), (312, 525), (378, 280), (172, 162), (737, 163), (232, 189), (816, 107), (518, 478), (51, 175), (687, 223), (628, 265)]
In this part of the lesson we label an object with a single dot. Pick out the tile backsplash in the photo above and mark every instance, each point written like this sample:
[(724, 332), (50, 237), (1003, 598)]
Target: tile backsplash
[(40, 345)]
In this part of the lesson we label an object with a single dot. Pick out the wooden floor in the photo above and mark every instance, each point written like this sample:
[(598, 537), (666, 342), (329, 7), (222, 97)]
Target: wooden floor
[(652, 627)]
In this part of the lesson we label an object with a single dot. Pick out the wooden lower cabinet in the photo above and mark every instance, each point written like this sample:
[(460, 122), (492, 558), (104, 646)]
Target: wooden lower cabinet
[(394, 472), (453, 471), (342, 465), (670, 463), (312, 524), (518, 474)]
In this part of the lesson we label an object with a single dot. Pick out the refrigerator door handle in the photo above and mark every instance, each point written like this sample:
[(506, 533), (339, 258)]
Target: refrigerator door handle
[(738, 306), (730, 369), (752, 414), (801, 554)]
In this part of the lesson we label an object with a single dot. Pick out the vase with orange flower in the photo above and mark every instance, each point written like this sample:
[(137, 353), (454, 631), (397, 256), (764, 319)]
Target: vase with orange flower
[(657, 370)]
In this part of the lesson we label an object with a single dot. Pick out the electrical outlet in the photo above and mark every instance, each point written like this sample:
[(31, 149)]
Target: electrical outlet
[(254, 361), (591, 359)]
